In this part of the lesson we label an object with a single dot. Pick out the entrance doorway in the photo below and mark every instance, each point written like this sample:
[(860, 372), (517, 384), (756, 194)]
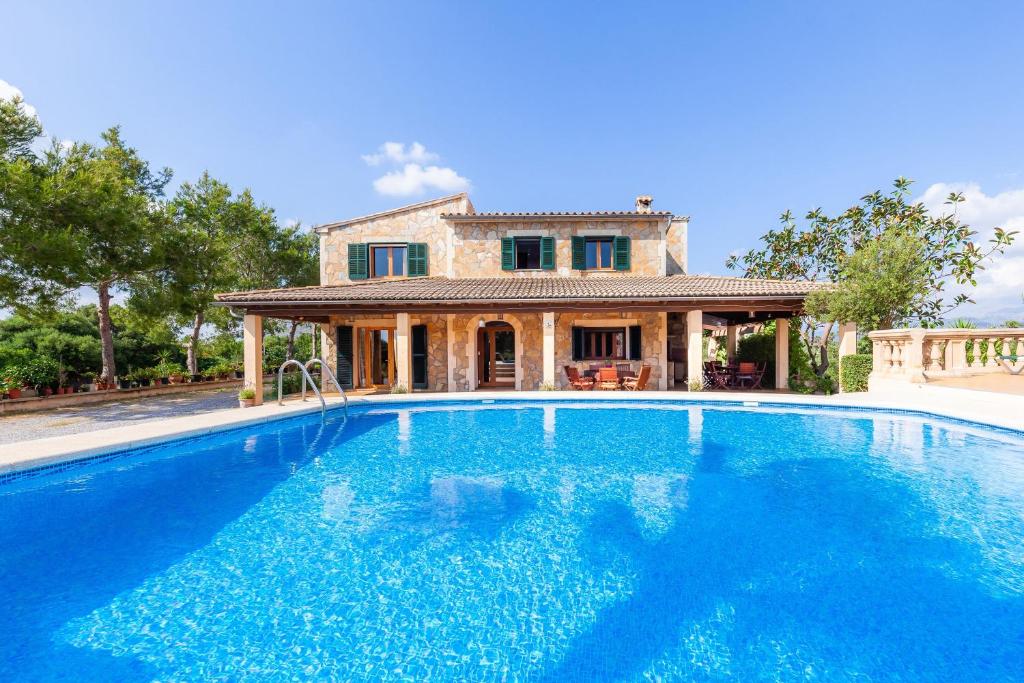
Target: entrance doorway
[(496, 355), (377, 349)]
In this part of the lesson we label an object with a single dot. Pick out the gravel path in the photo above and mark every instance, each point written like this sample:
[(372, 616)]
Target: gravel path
[(89, 418)]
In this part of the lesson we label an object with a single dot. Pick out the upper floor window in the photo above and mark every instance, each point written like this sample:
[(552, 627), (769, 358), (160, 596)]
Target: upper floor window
[(528, 253), (386, 260), (601, 252)]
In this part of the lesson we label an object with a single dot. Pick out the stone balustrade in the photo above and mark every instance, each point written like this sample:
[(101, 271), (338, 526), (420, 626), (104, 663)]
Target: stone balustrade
[(917, 355)]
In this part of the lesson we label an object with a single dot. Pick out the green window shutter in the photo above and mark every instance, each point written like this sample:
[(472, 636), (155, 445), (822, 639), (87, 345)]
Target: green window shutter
[(417, 257), (620, 253), (547, 253), (343, 336), (577, 342), (635, 344), (419, 357), (358, 261), (579, 252), (508, 253)]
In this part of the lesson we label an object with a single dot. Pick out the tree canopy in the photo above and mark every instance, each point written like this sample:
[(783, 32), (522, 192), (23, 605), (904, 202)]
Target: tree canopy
[(820, 251)]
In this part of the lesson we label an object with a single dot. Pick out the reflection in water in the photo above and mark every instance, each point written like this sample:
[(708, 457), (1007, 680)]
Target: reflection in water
[(657, 499), (338, 498), (549, 427), (404, 431), (696, 424)]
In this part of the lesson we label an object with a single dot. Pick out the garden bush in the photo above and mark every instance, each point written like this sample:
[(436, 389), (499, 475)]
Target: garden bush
[(854, 372)]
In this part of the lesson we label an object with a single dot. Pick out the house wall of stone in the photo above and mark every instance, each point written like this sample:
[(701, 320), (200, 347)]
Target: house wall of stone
[(530, 332), (437, 343), (652, 337), (477, 246), (422, 224)]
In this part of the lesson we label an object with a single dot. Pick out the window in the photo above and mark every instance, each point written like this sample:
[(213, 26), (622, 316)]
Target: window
[(387, 260), (527, 253), (599, 253), (604, 343)]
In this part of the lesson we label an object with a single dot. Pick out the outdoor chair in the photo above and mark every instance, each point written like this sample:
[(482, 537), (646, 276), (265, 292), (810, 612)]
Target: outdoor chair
[(576, 382), (607, 378), (638, 383), (749, 374), (625, 370), (717, 376)]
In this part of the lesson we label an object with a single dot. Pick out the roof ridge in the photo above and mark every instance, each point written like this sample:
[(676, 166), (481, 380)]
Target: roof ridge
[(388, 212)]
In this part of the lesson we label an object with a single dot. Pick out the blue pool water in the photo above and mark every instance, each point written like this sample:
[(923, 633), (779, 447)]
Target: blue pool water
[(544, 541)]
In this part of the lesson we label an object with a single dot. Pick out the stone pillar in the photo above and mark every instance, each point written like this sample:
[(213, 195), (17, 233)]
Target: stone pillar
[(694, 346), (847, 344), (450, 335), (913, 361), (549, 348), (782, 353), (731, 341), (252, 354), (664, 381), (403, 351)]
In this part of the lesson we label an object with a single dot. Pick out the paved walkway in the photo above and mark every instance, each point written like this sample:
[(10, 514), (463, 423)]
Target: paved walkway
[(93, 417)]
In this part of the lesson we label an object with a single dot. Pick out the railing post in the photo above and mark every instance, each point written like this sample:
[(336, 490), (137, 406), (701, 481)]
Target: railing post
[(913, 357)]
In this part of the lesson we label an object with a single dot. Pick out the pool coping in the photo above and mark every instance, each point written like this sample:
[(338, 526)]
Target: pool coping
[(48, 453)]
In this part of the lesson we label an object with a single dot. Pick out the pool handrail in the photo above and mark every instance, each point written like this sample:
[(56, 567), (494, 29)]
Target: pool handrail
[(330, 373), (305, 376)]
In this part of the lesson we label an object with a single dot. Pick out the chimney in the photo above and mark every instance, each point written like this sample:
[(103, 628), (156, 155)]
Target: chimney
[(643, 203)]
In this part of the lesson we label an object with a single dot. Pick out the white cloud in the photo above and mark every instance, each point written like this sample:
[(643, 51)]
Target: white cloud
[(1001, 284), (415, 176), (414, 179), (396, 152), (9, 92)]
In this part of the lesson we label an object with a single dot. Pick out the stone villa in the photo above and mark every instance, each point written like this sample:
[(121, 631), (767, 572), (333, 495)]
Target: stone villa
[(437, 296)]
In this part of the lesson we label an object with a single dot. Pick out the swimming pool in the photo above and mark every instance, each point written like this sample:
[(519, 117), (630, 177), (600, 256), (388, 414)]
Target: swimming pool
[(548, 541)]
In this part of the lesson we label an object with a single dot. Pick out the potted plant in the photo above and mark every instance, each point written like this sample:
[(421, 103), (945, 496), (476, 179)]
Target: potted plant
[(88, 381), (238, 370), (125, 380), (246, 397)]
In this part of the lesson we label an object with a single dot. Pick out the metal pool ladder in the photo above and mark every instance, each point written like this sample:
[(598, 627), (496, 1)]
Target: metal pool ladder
[(304, 369), (330, 373)]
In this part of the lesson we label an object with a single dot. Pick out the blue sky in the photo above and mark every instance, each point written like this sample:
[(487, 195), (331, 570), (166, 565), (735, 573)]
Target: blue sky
[(728, 112)]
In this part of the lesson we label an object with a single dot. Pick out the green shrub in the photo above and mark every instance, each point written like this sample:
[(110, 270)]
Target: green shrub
[(247, 394), (854, 372)]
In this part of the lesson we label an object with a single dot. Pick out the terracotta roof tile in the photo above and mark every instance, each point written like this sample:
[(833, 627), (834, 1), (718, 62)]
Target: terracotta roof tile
[(603, 288)]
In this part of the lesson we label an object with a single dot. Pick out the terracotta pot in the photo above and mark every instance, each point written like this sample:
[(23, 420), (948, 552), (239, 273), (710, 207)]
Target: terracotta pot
[(14, 393), (246, 402), (47, 391)]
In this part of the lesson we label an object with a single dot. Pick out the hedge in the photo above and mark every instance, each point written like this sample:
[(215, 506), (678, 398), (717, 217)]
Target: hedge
[(854, 371)]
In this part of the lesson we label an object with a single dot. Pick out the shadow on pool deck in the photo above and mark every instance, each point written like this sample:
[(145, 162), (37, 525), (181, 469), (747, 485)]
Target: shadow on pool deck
[(845, 588)]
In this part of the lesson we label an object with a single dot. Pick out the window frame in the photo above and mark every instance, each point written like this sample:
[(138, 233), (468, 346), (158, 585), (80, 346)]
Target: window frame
[(597, 240), (516, 241), (391, 247), (607, 335)]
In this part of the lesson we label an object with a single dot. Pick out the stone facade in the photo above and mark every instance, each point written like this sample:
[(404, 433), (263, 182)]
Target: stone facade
[(471, 248), (421, 223), (437, 344), (653, 331), (477, 246)]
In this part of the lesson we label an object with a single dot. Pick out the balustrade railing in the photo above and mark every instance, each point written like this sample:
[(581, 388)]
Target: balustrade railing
[(917, 355)]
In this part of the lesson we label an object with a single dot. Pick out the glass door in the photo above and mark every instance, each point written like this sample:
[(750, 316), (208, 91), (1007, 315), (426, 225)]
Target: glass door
[(378, 349)]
